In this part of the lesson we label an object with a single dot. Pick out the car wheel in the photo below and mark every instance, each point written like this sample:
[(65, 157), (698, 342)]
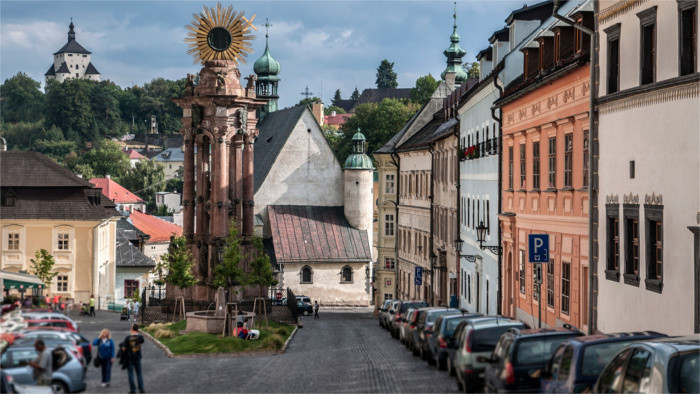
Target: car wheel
[(306, 313), (59, 387)]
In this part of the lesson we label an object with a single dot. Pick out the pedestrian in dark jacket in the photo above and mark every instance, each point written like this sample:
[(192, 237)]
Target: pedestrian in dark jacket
[(105, 352), (316, 310), (131, 347)]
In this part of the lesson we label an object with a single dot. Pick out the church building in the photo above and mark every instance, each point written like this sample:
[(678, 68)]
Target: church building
[(72, 61)]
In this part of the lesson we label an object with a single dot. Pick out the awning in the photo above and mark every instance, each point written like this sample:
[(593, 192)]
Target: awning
[(17, 281)]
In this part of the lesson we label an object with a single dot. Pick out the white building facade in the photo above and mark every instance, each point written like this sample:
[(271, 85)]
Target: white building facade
[(72, 61)]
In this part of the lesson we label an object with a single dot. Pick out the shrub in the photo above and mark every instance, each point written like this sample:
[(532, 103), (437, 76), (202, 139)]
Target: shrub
[(282, 331), (277, 340), (164, 333), (156, 327)]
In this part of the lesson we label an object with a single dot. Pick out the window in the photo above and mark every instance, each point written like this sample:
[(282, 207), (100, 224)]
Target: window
[(488, 218), (647, 60), (613, 69), (550, 283), (522, 271), (131, 287), (586, 160), (565, 365), (523, 170), (536, 165), (62, 283), (578, 37), (307, 274), (510, 168), (654, 246), (565, 286), (8, 199), (553, 163), (389, 263), (469, 289), (13, 241), (688, 36), (638, 367), (389, 184), (610, 378), (568, 157), (346, 275), (612, 268), (63, 241), (631, 244), (388, 296), (389, 225), (469, 200), (557, 44)]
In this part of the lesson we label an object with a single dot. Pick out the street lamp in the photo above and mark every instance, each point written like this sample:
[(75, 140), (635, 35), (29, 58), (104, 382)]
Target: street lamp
[(481, 235), (458, 245), (367, 271)]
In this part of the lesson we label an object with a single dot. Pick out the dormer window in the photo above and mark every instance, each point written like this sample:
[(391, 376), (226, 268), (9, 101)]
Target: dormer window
[(563, 42), (546, 52), (8, 199), (531, 61), (582, 41)]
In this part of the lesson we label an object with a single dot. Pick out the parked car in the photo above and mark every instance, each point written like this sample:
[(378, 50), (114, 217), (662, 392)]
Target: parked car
[(37, 332), (442, 337), (65, 324), (403, 327), (49, 315), (400, 315), (66, 343), (304, 308), (68, 372), (389, 315), (383, 309), (665, 365), (518, 353), (410, 335), (424, 328), (473, 338), (576, 363)]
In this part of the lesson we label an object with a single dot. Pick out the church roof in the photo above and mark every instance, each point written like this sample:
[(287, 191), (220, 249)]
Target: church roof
[(316, 235), (72, 46), (274, 131), (51, 71), (346, 105), (91, 69), (171, 154), (377, 95), (63, 69)]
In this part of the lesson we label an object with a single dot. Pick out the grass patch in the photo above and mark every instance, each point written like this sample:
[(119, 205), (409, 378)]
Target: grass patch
[(272, 338)]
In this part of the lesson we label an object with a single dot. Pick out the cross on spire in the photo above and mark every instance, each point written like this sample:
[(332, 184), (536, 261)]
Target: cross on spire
[(267, 27), (307, 93)]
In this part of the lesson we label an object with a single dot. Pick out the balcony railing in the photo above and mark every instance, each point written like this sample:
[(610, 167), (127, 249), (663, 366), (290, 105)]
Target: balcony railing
[(481, 149)]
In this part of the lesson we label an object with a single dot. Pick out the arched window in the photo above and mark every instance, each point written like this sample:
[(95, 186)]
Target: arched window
[(346, 274), (307, 274)]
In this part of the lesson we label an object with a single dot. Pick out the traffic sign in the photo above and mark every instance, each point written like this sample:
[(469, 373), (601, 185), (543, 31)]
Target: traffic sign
[(278, 295), (419, 276), (539, 248), (538, 274)]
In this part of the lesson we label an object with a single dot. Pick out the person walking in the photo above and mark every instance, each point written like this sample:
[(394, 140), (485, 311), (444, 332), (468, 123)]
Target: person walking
[(42, 365), (56, 301), (92, 305), (315, 310), (105, 352), (136, 305), (132, 349)]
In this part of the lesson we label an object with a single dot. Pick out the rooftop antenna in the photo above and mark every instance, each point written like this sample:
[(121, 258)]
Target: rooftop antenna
[(307, 93)]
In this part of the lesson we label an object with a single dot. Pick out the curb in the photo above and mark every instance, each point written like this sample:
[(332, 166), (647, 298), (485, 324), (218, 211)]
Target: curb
[(158, 343), (286, 343)]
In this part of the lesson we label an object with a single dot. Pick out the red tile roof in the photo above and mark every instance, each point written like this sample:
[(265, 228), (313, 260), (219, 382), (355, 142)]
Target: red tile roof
[(337, 120), (115, 192), (158, 229), (134, 154), (315, 234)]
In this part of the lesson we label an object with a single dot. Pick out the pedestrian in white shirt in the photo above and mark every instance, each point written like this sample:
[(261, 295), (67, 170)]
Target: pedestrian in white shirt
[(43, 370)]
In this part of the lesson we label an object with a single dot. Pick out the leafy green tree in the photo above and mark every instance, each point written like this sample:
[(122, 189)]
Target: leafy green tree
[(260, 274), (310, 101), (179, 263), (22, 135), (155, 100), (22, 99), (85, 170), (42, 267), (68, 107), (105, 159), (378, 122), (473, 70), (336, 97), (57, 150), (329, 110), (355, 94), (425, 87), (163, 211), (386, 77), (174, 184), (145, 179), (228, 273)]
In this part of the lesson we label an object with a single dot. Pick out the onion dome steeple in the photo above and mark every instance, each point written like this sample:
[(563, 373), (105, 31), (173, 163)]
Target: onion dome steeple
[(454, 55), (267, 70), (359, 160)]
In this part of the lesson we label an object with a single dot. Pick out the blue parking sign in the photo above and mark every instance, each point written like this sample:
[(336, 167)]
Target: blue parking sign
[(539, 248), (419, 276)]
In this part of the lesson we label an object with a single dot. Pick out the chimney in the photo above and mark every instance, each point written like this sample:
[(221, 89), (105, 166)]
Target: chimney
[(109, 176), (332, 113), (317, 110)]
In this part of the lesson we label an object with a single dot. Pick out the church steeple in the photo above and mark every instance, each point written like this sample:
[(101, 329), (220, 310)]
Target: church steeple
[(454, 55), (267, 69), (71, 32)]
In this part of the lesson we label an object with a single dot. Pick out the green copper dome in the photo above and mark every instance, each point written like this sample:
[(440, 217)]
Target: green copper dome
[(358, 160), (454, 55), (267, 68)]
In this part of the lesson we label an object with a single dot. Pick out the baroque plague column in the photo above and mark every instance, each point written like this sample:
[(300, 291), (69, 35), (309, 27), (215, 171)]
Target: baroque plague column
[(219, 128)]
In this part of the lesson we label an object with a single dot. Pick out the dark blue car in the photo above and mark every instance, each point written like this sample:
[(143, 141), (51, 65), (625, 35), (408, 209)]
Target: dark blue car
[(577, 362)]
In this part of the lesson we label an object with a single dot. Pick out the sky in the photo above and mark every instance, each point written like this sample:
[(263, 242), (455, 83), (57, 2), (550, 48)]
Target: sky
[(325, 45)]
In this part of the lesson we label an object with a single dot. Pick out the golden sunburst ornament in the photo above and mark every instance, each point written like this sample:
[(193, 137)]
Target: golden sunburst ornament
[(219, 33)]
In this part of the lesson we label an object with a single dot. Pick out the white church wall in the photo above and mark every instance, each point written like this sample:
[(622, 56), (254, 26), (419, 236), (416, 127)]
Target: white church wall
[(326, 287)]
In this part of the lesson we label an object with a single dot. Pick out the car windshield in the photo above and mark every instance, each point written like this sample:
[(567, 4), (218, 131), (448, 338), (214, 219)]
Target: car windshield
[(596, 357), (485, 339), (451, 325), (684, 373), (406, 305), (430, 319), (536, 351)]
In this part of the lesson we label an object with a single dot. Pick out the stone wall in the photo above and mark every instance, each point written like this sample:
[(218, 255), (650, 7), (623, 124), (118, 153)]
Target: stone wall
[(326, 287)]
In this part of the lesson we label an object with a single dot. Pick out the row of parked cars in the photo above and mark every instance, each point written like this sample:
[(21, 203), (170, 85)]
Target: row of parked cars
[(499, 354), (71, 352)]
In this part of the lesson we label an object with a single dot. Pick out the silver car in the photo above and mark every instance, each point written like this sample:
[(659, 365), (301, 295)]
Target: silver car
[(68, 374)]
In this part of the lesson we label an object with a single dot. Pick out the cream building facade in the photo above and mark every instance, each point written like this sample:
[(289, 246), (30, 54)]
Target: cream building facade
[(72, 61)]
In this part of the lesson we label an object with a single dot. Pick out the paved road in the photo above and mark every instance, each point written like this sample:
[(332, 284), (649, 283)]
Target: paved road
[(344, 351)]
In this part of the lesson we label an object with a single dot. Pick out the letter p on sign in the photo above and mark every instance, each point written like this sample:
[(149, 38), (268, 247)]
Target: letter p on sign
[(539, 248)]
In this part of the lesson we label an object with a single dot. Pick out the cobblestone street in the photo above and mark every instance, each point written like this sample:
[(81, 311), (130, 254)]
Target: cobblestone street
[(344, 351)]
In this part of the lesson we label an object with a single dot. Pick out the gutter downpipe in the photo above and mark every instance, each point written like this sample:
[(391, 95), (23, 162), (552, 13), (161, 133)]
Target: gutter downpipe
[(592, 137), (397, 162), (432, 228), (499, 119)]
